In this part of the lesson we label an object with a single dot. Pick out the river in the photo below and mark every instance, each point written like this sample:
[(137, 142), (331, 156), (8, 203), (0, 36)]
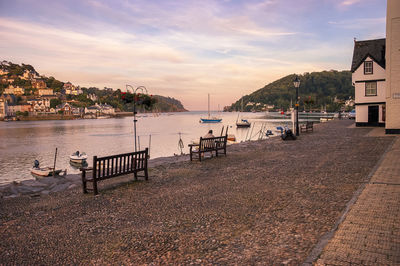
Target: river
[(22, 142)]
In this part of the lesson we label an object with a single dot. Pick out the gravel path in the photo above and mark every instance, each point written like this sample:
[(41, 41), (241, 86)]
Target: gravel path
[(267, 202)]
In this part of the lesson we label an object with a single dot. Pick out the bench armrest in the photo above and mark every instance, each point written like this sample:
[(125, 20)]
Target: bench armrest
[(86, 169), (193, 145)]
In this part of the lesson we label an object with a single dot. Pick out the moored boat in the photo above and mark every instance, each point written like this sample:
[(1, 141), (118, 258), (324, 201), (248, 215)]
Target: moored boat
[(78, 157), (39, 172), (243, 123), (210, 119)]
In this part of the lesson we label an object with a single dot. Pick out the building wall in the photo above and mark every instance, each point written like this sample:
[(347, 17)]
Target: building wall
[(3, 108), (393, 67), (362, 102)]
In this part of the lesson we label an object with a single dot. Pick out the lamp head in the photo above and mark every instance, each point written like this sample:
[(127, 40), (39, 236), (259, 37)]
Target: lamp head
[(296, 82)]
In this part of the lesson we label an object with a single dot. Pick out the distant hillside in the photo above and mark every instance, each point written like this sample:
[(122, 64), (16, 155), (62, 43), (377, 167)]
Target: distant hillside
[(168, 104), (327, 88), (24, 75)]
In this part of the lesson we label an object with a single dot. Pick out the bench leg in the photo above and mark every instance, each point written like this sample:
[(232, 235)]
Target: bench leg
[(95, 191), (84, 184), (146, 174)]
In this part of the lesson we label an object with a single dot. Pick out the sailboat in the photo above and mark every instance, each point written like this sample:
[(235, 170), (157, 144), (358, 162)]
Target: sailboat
[(210, 119), (242, 122)]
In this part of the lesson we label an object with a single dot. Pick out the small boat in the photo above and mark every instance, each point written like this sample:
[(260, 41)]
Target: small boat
[(210, 119), (39, 172), (231, 137), (243, 123), (78, 157)]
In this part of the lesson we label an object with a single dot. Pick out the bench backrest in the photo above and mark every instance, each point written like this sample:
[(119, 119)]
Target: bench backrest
[(120, 164), (210, 144)]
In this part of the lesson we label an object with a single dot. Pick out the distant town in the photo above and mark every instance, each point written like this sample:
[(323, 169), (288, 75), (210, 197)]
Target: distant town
[(26, 95)]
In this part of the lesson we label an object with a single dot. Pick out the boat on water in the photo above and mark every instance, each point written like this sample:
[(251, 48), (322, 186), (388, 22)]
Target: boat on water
[(78, 157), (242, 123), (210, 119), (40, 172)]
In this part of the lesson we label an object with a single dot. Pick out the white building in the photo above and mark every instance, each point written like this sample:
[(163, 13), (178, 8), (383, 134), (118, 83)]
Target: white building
[(368, 68), (393, 67), (99, 109), (3, 108)]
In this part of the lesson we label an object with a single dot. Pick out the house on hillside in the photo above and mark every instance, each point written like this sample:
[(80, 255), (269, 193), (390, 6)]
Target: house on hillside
[(38, 84), (14, 90), (368, 76), (45, 91), (72, 89)]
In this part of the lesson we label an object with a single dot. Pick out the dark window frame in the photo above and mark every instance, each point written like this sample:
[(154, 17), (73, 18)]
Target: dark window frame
[(368, 67), (376, 89)]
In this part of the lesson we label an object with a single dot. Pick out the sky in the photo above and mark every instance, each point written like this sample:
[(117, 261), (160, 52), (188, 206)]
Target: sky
[(185, 48)]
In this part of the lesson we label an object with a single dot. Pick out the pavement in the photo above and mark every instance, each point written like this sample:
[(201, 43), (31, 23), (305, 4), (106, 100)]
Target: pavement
[(369, 231)]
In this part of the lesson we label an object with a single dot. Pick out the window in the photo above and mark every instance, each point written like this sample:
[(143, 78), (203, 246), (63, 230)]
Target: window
[(370, 88), (368, 67)]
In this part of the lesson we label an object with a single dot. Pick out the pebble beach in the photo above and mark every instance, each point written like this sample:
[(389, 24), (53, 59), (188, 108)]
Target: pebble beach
[(267, 202)]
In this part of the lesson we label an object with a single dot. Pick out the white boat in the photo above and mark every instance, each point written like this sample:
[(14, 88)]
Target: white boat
[(210, 119), (78, 157), (39, 172), (242, 122), (45, 171)]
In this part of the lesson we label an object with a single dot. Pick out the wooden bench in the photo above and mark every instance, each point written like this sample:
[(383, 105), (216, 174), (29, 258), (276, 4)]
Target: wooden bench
[(113, 166), (307, 127), (208, 145)]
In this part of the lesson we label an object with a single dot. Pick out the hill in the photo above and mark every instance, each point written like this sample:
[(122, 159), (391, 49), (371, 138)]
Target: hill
[(26, 77), (329, 89)]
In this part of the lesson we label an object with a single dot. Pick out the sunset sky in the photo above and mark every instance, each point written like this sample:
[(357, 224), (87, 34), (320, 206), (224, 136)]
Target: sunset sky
[(185, 49)]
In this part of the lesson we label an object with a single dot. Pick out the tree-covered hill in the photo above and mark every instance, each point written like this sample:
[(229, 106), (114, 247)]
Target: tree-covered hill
[(327, 88), (15, 72)]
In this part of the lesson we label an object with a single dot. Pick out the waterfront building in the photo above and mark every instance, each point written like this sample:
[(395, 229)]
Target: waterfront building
[(393, 67), (3, 108), (368, 77), (13, 109), (10, 98), (39, 105), (99, 109), (65, 108)]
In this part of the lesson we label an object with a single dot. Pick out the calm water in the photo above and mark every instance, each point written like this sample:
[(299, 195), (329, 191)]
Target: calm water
[(23, 142)]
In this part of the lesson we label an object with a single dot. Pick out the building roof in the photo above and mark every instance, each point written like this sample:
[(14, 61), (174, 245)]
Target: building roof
[(372, 48)]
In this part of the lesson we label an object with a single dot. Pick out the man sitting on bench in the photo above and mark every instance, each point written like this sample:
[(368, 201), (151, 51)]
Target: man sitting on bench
[(209, 134)]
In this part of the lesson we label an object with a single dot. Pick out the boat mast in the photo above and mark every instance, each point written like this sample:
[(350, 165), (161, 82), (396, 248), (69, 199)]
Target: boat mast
[(208, 105)]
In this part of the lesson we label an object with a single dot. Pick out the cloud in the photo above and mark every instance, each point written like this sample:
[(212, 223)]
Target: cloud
[(349, 2)]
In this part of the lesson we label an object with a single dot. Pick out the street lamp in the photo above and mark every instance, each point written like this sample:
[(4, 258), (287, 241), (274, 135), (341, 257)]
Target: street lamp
[(296, 83), (143, 89)]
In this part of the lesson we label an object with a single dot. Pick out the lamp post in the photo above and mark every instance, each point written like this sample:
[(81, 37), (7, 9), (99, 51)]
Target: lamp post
[(143, 89), (296, 83)]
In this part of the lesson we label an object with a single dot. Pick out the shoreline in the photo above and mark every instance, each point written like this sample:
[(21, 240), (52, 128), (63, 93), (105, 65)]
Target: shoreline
[(266, 202), (50, 184)]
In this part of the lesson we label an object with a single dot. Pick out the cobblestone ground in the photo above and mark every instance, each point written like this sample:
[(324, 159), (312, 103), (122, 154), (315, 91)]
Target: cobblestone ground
[(370, 233), (266, 202)]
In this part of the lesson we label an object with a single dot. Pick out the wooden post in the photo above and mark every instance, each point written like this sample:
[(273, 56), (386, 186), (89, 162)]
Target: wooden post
[(95, 192), (54, 167)]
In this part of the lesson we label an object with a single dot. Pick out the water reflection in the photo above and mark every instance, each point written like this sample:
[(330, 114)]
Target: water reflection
[(23, 142)]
